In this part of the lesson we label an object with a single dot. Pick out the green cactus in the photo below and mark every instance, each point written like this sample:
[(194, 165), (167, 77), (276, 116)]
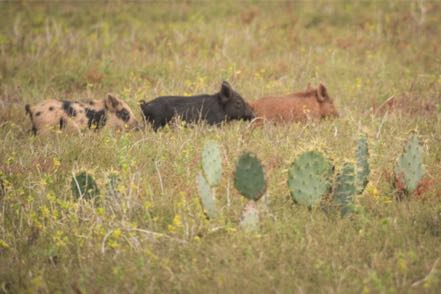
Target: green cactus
[(309, 178), (409, 168), (212, 163), (249, 177), (84, 186), (207, 198), (344, 188), (250, 217), (363, 170)]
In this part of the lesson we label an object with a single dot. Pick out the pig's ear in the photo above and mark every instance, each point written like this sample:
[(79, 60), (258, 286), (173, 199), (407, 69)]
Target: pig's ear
[(322, 93), (112, 103), (226, 92), (28, 109)]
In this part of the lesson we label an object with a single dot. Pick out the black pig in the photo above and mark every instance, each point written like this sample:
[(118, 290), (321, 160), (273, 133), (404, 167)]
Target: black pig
[(213, 109)]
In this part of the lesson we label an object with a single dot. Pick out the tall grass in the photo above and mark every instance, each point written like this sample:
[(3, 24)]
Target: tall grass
[(150, 234)]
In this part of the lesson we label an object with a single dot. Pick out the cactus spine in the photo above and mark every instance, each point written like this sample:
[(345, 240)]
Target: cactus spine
[(409, 168), (309, 178), (363, 170)]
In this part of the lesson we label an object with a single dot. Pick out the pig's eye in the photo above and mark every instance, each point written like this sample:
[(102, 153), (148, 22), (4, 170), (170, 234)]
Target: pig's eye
[(123, 114)]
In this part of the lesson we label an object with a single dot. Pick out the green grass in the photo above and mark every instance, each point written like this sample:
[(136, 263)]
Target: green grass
[(149, 234)]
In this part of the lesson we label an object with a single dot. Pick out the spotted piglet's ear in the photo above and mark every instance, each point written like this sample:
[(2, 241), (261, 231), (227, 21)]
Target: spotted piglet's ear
[(112, 103), (226, 92), (28, 109), (322, 93)]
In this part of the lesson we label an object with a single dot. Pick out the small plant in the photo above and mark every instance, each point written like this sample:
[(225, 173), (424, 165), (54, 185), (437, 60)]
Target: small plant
[(345, 188), (207, 183), (112, 184), (249, 180), (2, 186), (409, 169), (84, 186), (2, 189), (363, 170), (309, 178)]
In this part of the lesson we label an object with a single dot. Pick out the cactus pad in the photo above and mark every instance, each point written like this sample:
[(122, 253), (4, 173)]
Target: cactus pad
[(211, 163), (309, 178), (84, 186), (344, 188), (409, 168), (249, 220), (207, 199), (363, 170), (249, 177)]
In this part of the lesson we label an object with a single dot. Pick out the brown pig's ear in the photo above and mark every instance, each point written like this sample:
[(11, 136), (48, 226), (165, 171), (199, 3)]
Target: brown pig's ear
[(322, 93)]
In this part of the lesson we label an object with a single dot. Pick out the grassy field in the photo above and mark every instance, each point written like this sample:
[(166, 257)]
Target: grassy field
[(381, 62)]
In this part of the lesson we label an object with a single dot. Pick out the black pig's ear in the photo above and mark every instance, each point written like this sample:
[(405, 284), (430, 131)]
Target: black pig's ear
[(112, 102), (226, 92), (322, 93)]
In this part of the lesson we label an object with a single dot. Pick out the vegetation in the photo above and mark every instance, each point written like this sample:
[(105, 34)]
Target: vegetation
[(380, 61)]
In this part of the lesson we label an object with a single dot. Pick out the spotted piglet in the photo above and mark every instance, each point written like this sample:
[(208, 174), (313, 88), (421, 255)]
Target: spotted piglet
[(78, 115)]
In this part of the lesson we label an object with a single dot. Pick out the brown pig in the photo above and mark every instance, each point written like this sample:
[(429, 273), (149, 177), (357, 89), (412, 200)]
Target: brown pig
[(312, 104)]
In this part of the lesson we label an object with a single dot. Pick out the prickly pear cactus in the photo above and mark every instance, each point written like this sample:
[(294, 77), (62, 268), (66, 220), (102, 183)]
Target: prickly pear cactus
[(249, 177), (84, 186), (249, 220), (207, 197), (309, 178), (363, 170), (344, 188), (409, 168), (211, 163)]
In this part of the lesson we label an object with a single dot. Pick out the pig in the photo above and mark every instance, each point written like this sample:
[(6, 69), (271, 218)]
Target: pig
[(312, 104), (226, 105), (78, 115)]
